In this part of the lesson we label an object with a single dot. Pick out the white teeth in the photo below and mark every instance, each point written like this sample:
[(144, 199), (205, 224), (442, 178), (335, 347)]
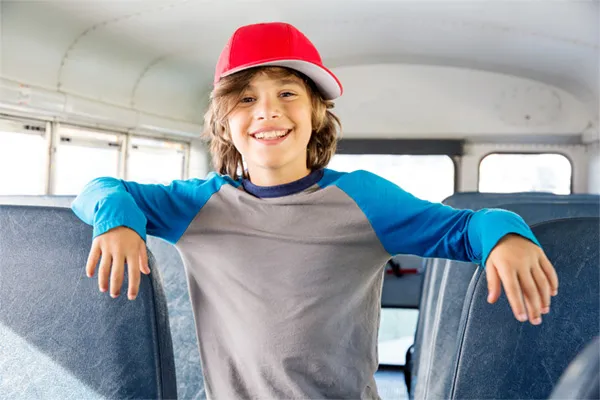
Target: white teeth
[(270, 134)]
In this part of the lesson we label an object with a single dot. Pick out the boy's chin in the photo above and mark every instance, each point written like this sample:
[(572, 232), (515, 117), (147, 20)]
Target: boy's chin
[(272, 166)]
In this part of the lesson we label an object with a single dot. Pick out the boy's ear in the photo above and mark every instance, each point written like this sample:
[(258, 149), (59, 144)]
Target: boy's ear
[(226, 133)]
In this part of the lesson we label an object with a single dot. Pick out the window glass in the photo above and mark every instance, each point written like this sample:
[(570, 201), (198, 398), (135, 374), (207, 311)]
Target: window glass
[(396, 334), (23, 163), (155, 161), (508, 173), (83, 155), (429, 177)]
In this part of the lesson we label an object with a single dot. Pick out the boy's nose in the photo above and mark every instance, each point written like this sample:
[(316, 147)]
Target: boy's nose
[(267, 109)]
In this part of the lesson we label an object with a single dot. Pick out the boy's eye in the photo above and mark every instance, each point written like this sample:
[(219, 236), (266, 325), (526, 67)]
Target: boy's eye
[(246, 99), (287, 94)]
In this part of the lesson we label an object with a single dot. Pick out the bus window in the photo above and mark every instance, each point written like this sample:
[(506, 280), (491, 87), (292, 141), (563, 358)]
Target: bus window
[(82, 156), (155, 161), (396, 334), (429, 177), (23, 157), (507, 173)]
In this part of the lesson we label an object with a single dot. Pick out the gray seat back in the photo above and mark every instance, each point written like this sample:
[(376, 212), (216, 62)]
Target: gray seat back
[(61, 337), (190, 383), (501, 358)]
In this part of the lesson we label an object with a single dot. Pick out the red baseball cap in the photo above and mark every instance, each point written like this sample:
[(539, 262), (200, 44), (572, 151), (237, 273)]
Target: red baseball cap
[(276, 44)]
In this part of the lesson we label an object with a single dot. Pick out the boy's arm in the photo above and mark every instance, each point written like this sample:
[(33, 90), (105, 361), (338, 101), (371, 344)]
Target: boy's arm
[(498, 240), (160, 210), (408, 225)]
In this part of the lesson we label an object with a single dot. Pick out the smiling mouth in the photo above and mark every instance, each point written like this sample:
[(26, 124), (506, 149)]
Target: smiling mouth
[(272, 135)]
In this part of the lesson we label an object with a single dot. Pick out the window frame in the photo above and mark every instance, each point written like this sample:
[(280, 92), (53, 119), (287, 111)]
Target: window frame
[(42, 128), (185, 165), (84, 137), (123, 143), (453, 148), (517, 153), (89, 131), (415, 147), (454, 159), (50, 130)]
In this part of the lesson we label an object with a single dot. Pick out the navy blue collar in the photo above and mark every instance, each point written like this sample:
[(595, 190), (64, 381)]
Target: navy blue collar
[(285, 189)]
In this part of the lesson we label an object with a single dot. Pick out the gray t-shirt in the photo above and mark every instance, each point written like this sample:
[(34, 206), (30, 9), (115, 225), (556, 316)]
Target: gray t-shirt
[(285, 281)]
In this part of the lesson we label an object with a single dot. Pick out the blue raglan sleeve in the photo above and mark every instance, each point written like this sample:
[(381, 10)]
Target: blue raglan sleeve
[(159, 210), (406, 224)]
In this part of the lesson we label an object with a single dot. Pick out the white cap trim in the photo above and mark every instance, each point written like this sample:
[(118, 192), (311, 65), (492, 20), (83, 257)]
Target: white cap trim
[(323, 79)]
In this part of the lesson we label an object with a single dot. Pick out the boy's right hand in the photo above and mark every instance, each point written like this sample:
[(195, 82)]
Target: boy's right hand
[(118, 247)]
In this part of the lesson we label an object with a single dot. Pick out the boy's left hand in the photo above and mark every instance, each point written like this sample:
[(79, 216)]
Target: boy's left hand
[(526, 274)]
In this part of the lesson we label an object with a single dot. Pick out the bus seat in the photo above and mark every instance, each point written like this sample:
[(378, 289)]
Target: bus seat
[(190, 384), (581, 380), (433, 270), (498, 356), (438, 319), (61, 337), (431, 279)]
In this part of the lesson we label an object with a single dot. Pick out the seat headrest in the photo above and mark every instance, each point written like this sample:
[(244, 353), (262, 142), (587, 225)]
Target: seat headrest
[(476, 201)]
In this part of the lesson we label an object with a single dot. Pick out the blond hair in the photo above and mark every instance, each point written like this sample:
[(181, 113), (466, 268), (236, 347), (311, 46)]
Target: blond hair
[(226, 95)]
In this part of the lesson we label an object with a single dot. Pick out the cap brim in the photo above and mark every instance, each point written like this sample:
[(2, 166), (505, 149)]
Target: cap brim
[(327, 83)]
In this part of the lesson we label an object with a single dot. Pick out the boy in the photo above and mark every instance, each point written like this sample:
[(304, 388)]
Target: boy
[(284, 257)]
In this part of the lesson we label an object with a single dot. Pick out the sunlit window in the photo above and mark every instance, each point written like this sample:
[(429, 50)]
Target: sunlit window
[(23, 161), (507, 173), (427, 177), (155, 161), (83, 155), (396, 334)]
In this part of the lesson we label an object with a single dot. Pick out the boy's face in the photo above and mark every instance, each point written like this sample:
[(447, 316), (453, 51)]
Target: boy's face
[(271, 125)]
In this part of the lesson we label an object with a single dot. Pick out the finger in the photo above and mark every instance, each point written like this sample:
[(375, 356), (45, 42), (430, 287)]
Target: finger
[(550, 272), (143, 267), (532, 297), (529, 309), (494, 286), (512, 288), (144, 259), (104, 272), (116, 275), (133, 268), (93, 258), (541, 281)]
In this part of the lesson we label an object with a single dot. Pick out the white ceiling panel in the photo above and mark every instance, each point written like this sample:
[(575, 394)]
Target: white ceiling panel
[(159, 56)]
